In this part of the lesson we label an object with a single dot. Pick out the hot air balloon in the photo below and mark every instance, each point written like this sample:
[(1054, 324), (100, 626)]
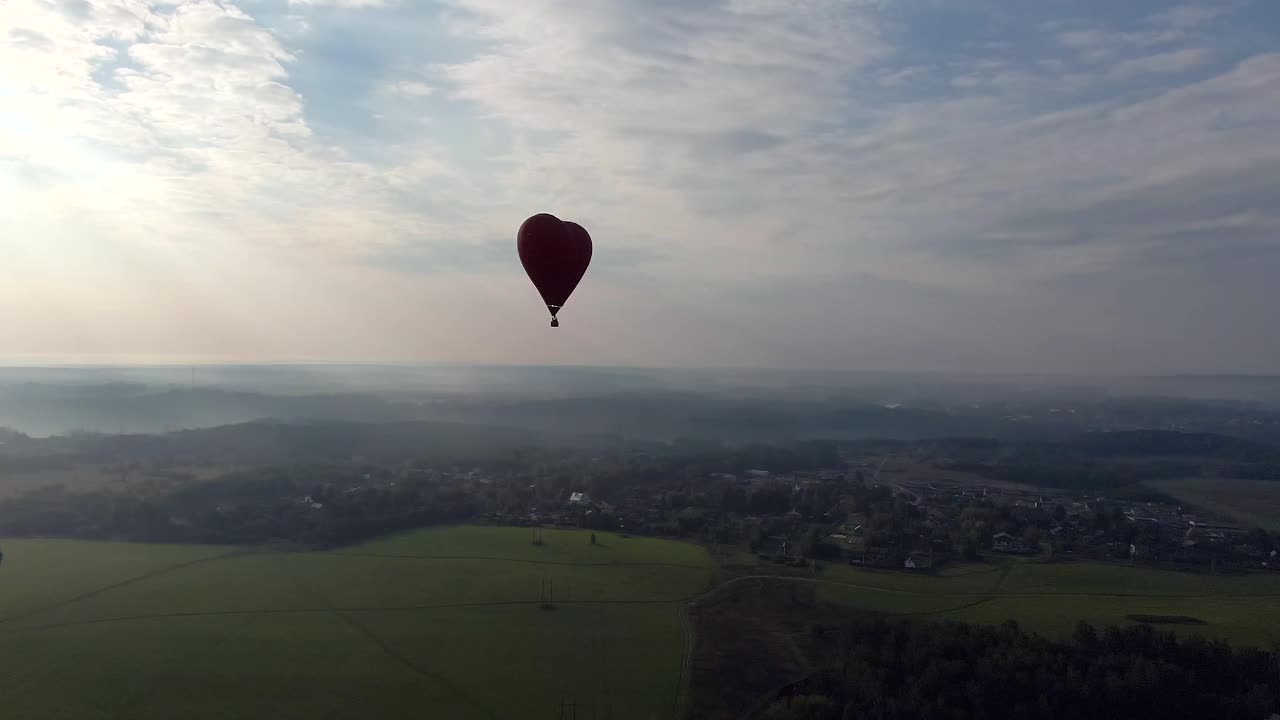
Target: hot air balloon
[(555, 253)]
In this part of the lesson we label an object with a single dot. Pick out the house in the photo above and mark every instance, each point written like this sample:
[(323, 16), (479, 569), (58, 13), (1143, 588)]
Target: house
[(579, 498), (774, 546), (918, 561), (1005, 543), (1216, 529), (1132, 516)]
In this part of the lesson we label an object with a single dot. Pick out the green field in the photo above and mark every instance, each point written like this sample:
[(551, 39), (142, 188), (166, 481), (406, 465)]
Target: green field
[(440, 623), (1251, 502), (1052, 598)]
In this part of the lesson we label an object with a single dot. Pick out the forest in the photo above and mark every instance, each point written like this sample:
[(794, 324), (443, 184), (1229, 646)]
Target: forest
[(902, 670), (1111, 460)]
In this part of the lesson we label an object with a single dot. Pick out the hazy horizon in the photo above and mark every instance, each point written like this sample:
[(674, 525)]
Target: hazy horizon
[(185, 365)]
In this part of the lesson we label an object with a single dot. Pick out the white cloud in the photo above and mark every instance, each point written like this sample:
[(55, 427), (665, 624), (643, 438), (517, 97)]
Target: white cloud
[(1096, 45), (713, 148), (896, 77), (194, 129), (1177, 24), (668, 111), (1169, 62), (580, 62), (341, 3), (754, 161), (410, 88), (1190, 16)]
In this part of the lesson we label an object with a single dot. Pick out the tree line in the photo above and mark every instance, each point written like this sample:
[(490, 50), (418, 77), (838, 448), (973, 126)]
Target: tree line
[(901, 670)]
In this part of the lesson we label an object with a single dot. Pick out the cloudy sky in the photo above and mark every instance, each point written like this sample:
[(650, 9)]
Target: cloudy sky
[(976, 185)]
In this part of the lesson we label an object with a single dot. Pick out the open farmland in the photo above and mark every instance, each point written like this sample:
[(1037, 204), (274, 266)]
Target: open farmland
[(1252, 502), (1053, 598), (441, 623)]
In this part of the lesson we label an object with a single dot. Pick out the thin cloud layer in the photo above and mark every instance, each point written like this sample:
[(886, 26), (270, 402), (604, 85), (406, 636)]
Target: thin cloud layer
[(960, 186)]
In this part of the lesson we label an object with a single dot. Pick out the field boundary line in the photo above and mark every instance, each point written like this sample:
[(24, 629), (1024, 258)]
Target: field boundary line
[(407, 662), (979, 598), (1004, 574), (943, 611), (491, 558), (346, 618), (26, 614), (138, 696), (685, 680), (316, 610), (1006, 593)]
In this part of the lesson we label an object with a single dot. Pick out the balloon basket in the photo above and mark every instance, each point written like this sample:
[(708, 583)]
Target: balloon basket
[(555, 322)]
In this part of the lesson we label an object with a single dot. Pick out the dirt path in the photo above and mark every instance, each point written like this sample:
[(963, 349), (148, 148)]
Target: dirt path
[(686, 664)]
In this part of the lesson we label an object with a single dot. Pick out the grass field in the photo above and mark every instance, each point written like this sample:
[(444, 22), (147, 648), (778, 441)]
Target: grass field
[(1252, 502), (1052, 598), (440, 623)]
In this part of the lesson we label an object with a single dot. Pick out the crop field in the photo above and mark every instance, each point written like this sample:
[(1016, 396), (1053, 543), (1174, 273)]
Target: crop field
[(439, 623), (1253, 502), (1052, 598)]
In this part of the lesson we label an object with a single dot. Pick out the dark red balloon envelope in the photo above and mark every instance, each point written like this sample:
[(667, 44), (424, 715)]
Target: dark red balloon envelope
[(555, 254)]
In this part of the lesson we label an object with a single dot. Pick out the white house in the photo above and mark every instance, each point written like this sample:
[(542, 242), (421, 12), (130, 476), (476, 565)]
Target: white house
[(579, 498)]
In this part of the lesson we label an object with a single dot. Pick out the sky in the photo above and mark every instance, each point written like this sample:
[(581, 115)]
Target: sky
[(946, 185)]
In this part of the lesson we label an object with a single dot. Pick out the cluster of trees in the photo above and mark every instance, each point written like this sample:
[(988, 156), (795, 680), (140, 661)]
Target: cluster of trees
[(897, 670), (312, 505), (1115, 461), (264, 442)]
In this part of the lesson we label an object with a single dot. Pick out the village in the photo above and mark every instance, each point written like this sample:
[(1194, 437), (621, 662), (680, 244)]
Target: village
[(895, 513)]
